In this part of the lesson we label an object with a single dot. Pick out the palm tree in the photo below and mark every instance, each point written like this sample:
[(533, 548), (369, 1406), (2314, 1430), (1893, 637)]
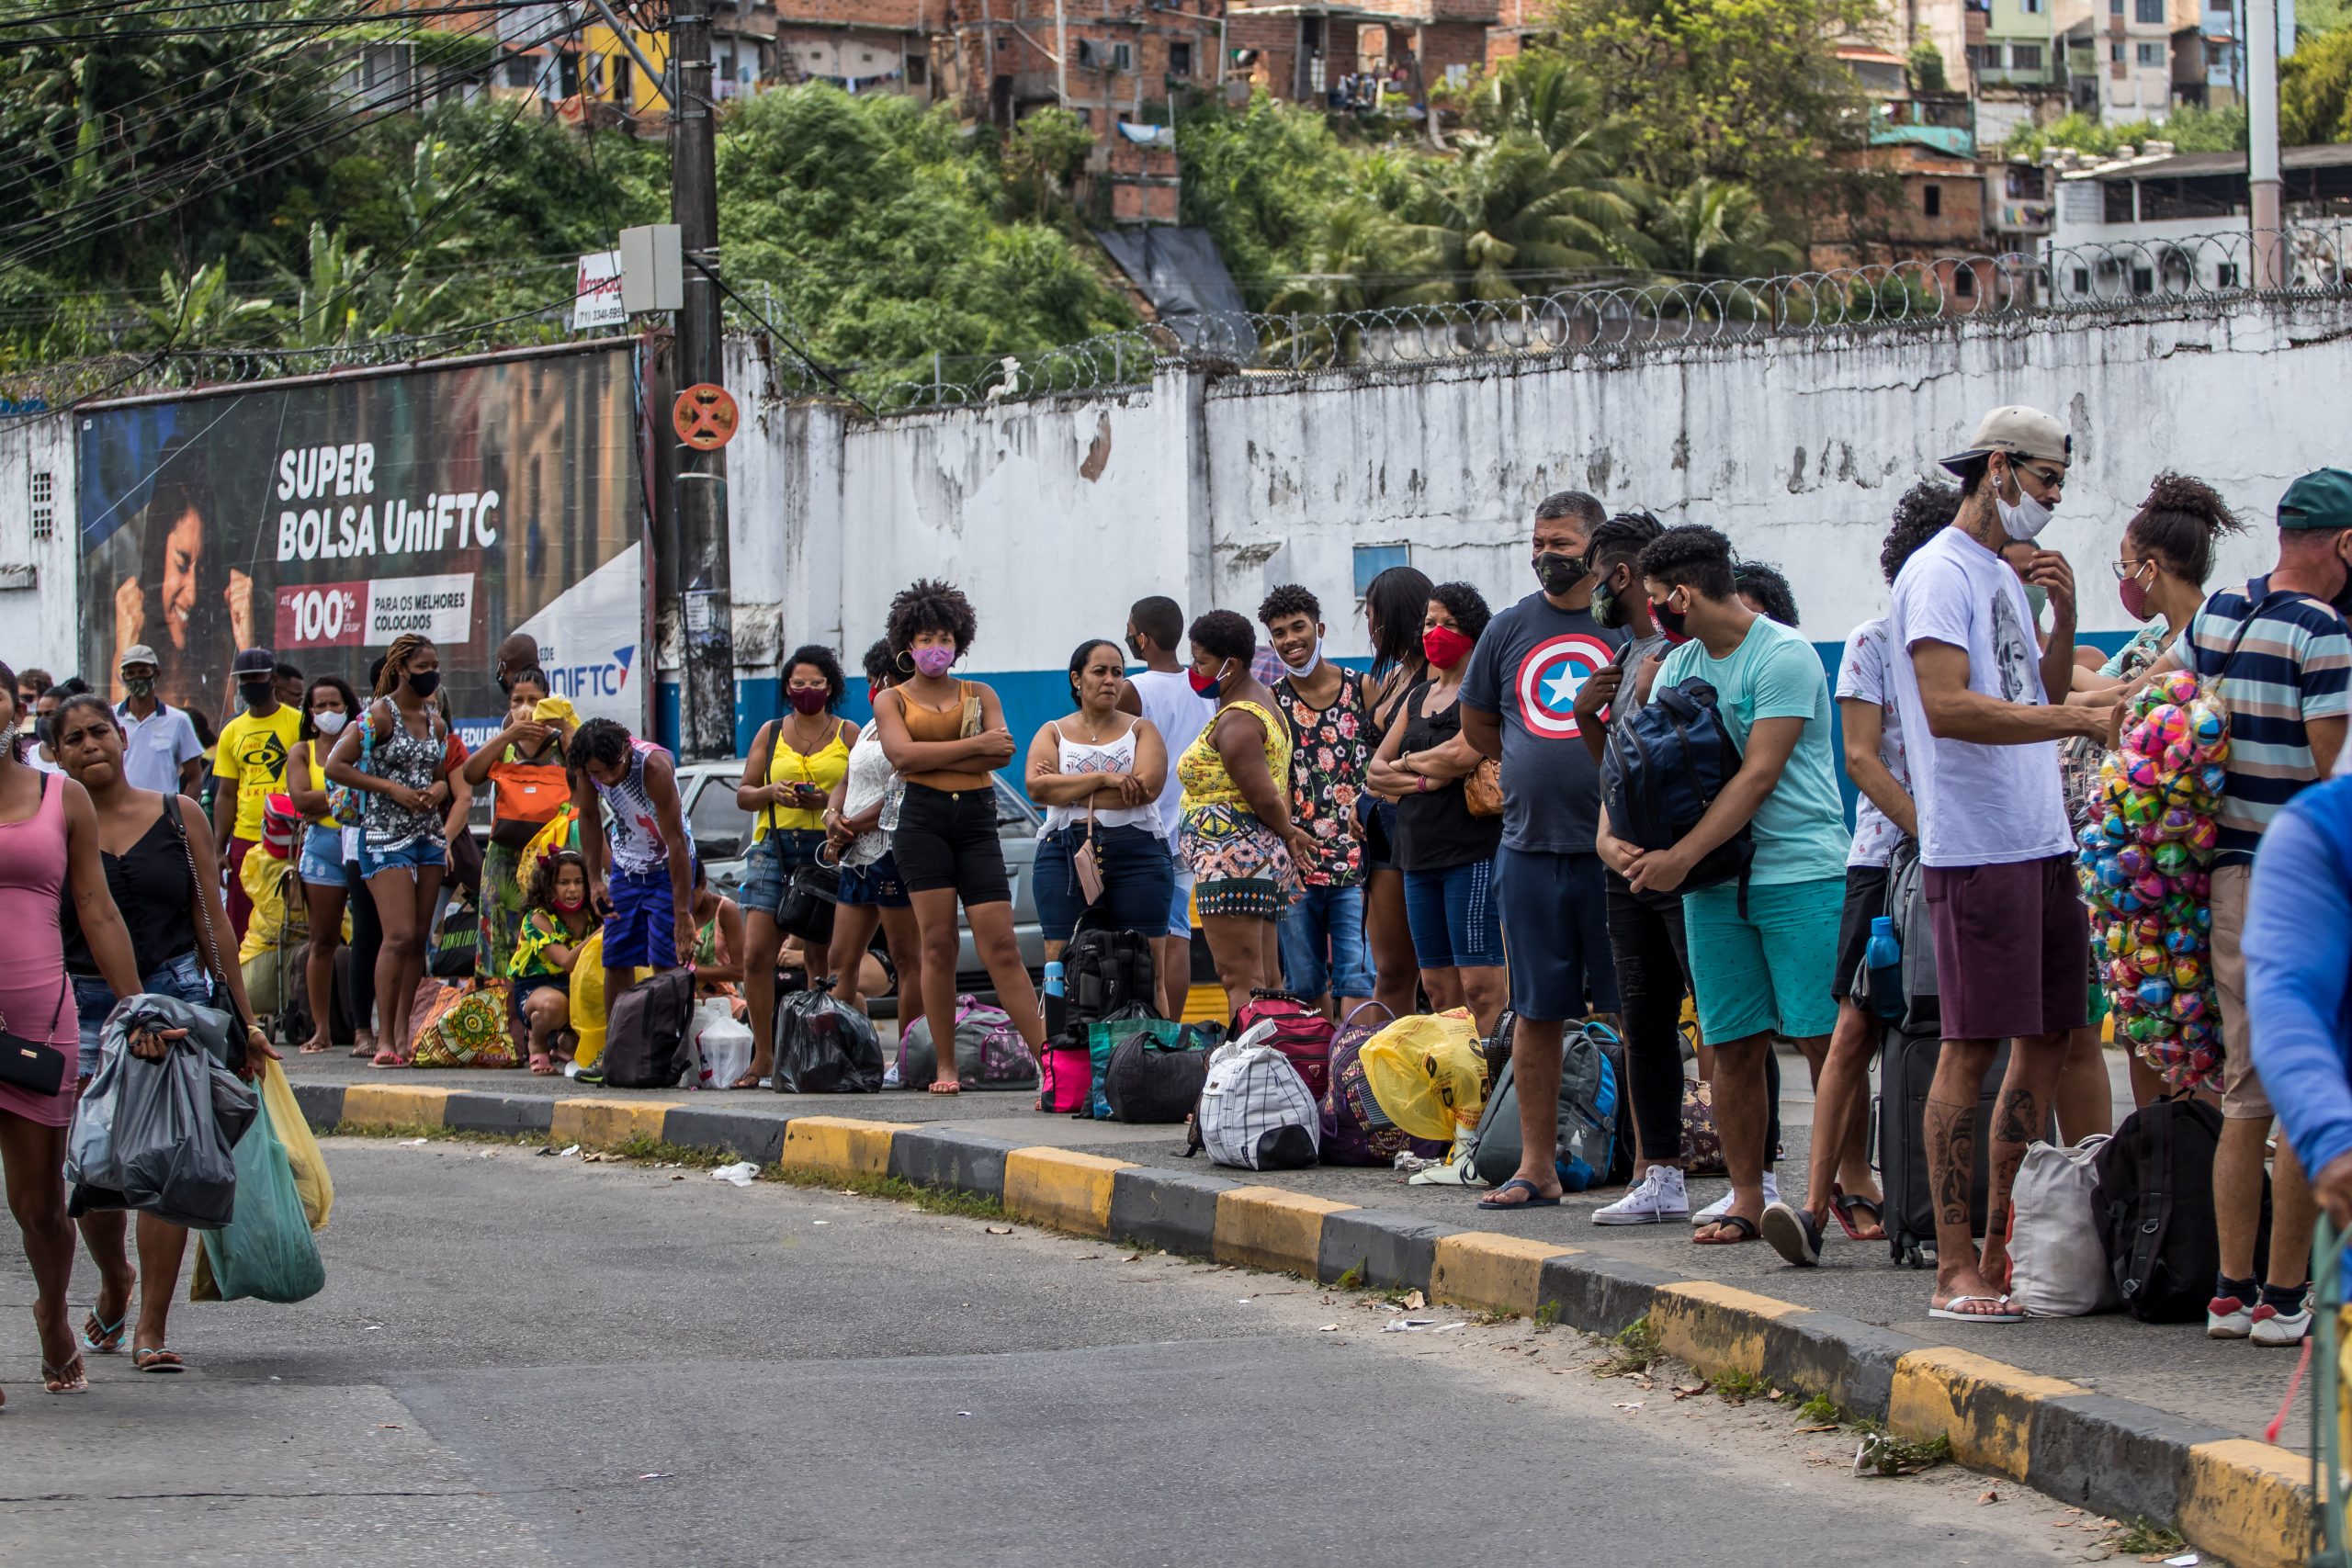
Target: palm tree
[(1512, 216), (1714, 230)]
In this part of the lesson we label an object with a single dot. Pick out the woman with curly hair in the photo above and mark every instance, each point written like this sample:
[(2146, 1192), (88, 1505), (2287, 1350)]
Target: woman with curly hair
[(796, 761), (945, 738), (402, 760), (1237, 833), (556, 922), (1447, 855)]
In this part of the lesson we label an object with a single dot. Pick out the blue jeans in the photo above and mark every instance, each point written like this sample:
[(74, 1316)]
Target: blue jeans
[(769, 865), (1137, 879), (1326, 920), (183, 977)]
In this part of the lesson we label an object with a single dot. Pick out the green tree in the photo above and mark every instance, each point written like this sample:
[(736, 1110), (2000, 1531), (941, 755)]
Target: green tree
[(1509, 217), (2315, 91), (1043, 157), (1259, 180), (1927, 67), (1750, 90)]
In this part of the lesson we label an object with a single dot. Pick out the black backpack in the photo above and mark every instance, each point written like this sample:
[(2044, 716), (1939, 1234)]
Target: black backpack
[(645, 1034), (2155, 1209), (1104, 971), (1667, 761)]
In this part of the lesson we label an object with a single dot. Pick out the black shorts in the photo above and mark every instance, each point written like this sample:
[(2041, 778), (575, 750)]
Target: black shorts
[(948, 839), (1865, 901)]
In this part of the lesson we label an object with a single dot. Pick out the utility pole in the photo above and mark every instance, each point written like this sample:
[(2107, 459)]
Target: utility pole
[(707, 622), (2261, 45)]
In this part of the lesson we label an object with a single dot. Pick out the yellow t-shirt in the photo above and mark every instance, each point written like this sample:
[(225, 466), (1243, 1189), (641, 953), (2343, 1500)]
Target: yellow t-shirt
[(252, 751)]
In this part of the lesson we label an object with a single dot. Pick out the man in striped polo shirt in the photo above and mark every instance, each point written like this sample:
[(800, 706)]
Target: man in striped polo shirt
[(2281, 660)]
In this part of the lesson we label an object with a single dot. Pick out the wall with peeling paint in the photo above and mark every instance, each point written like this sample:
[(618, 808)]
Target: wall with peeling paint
[(1055, 515)]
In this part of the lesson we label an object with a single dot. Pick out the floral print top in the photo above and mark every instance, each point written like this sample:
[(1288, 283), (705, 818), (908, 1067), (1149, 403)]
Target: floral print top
[(1330, 754)]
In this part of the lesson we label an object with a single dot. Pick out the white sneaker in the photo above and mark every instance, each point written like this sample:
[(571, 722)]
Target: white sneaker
[(2269, 1326), (1722, 1206), (1658, 1196)]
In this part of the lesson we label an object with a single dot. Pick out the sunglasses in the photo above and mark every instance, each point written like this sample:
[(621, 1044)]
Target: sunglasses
[(2050, 481)]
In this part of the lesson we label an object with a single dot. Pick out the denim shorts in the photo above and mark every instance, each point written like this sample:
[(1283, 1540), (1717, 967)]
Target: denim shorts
[(416, 855), (183, 977), (875, 886), (1455, 917), (1322, 944), (769, 865), (1136, 877), (1179, 907), (322, 861)]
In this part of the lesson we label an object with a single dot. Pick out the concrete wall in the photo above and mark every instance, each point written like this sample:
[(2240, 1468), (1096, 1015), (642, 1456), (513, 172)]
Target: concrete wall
[(38, 614), (1055, 515)]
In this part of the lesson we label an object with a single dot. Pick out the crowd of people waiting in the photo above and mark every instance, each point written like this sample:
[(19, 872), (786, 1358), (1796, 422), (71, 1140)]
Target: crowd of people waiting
[(1432, 827)]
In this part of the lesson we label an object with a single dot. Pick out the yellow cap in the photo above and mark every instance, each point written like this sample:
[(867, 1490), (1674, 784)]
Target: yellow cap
[(555, 710)]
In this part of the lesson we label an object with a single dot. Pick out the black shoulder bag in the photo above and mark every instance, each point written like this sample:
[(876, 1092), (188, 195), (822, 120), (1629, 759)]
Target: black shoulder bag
[(233, 1053)]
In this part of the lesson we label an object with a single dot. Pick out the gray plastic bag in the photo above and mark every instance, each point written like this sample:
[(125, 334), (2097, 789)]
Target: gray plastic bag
[(160, 1136)]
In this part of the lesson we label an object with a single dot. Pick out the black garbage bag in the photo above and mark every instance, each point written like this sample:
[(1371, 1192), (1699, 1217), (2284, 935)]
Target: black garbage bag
[(161, 1136), (824, 1046)]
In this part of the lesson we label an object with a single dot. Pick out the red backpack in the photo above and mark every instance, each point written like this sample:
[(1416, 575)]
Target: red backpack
[(1300, 1033)]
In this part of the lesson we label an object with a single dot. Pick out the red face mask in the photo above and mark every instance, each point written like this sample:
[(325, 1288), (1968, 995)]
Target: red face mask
[(1444, 646), (1669, 622), (2135, 594)]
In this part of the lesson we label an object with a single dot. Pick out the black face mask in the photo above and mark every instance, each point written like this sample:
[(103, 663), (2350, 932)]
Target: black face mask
[(1558, 574), (1135, 645), (1670, 621), (1609, 606), (425, 682), (255, 693), (40, 731)]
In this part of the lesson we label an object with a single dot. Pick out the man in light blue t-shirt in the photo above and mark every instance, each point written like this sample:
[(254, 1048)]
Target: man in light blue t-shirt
[(1761, 951)]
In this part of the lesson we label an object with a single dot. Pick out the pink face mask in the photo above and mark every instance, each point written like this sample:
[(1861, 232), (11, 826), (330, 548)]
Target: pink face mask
[(933, 661)]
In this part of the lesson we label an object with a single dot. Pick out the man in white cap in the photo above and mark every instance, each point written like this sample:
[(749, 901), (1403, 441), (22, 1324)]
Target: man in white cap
[(1983, 711), (160, 750)]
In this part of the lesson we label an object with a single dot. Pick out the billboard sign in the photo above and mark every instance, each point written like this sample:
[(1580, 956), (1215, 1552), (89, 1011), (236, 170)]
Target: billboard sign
[(324, 518)]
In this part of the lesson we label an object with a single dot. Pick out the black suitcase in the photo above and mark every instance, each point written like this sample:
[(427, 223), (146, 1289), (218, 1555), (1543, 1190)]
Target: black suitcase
[(1906, 1069)]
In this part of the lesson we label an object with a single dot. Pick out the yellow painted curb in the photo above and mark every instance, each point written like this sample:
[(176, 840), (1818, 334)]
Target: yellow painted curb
[(1056, 1186), (2248, 1502), (1269, 1227), (602, 1123), (394, 1105), (1487, 1268), (1716, 1328), (1985, 1407), (838, 1143)]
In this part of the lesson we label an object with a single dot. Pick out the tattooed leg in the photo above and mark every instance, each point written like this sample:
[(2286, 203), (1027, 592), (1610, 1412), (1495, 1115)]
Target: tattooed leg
[(1950, 1126), (2020, 1115)]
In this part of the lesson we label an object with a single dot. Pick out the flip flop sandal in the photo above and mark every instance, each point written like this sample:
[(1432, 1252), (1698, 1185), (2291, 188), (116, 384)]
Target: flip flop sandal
[(1950, 1313), (1843, 1206), (1740, 1223), (71, 1378), (101, 1340), (1535, 1199), (158, 1360), (387, 1058), (1793, 1233)]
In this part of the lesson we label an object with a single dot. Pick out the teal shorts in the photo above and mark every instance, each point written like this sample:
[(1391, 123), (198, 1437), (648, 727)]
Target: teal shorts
[(1767, 972)]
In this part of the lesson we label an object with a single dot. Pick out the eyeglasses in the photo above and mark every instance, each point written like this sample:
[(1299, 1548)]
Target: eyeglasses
[(2123, 568), (2050, 481)]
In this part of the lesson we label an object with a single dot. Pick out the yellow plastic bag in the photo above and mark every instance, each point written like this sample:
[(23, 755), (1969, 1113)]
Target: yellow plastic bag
[(588, 999), (560, 832), (1428, 1075)]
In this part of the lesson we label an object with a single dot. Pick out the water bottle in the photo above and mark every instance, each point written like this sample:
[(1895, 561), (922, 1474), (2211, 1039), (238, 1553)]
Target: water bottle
[(1057, 1005), (1882, 959)]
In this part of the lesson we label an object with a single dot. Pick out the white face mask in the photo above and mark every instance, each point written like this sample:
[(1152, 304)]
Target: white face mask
[(1301, 672), (2024, 518), (330, 723)]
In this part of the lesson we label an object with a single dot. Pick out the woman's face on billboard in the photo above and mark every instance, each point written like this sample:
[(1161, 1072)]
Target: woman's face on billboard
[(183, 551)]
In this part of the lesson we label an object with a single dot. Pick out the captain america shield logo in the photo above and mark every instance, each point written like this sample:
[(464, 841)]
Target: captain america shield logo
[(1550, 677)]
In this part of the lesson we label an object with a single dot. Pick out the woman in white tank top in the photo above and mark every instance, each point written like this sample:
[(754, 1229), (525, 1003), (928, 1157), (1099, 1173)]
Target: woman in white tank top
[(1098, 774)]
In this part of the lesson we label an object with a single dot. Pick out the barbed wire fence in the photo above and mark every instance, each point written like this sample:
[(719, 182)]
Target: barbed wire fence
[(1619, 315)]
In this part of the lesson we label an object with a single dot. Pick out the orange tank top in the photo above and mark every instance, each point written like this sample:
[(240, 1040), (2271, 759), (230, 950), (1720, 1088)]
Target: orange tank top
[(940, 724)]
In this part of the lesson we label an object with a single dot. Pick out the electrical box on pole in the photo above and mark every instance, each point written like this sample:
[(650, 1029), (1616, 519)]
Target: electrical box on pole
[(653, 273)]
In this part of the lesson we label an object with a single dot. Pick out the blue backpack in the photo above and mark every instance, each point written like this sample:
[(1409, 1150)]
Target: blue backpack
[(1667, 761)]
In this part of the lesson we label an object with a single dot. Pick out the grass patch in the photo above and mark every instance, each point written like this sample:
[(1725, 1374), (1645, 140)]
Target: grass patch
[(646, 1146), (932, 1199), (1547, 1317), (1351, 1281), (1820, 1411), (404, 1132), (1738, 1388), (2145, 1538), (1636, 1349)]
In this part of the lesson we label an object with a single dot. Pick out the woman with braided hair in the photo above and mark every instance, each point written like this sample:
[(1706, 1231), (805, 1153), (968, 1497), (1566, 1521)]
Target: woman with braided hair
[(401, 760)]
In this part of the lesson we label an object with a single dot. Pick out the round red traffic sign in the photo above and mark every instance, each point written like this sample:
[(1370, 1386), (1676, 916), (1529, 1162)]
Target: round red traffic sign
[(705, 416)]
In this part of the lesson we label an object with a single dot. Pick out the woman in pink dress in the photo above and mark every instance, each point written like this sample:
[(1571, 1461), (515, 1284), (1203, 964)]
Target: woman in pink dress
[(48, 840)]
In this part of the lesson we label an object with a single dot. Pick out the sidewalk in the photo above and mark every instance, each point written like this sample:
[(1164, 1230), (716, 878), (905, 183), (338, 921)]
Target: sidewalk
[(1864, 1324)]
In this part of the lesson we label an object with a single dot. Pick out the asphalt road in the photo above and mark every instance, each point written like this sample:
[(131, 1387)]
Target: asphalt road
[(527, 1360)]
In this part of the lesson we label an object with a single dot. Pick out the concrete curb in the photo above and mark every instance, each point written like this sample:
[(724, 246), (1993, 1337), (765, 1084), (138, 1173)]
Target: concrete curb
[(2247, 1502)]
